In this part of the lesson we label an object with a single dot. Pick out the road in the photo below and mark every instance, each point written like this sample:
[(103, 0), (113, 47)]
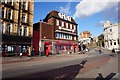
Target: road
[(67, 68)]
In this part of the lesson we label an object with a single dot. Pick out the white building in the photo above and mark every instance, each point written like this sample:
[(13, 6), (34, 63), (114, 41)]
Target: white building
[(85, 37), (111, 35)]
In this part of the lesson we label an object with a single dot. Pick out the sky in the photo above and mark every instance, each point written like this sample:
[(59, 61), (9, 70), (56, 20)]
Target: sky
[(88, 14)]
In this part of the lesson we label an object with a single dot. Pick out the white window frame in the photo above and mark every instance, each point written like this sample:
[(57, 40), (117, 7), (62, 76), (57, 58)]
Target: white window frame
[(26, 31), (26, 5), (19, 31), (74, 27), (57, 22), (24, 18), (62, 23), (70, 26), (67, 25), (8, 31)]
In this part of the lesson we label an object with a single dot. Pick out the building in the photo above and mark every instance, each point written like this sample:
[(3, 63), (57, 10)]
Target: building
[(56, 34), (85, 37), (111, 35), (17, 26)]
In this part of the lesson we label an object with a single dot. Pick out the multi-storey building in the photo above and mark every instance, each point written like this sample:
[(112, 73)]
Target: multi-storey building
[(111, 35), (57, 33), (17, 26), (85, 37)]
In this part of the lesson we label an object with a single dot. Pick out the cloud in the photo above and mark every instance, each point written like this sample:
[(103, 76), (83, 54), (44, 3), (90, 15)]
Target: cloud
[(66, 9), (88, 8), (100, 24)]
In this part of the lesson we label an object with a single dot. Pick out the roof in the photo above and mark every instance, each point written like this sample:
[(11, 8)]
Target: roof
[(54, 14)]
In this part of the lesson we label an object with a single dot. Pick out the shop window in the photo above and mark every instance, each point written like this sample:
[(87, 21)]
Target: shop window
[(3, 13), (24, 49), (57, 22), (24, 5), (24, 18), (20, 31), (25, 31), (8, 29)]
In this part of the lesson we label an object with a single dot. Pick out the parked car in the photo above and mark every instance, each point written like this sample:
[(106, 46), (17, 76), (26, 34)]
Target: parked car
[(117, 50)]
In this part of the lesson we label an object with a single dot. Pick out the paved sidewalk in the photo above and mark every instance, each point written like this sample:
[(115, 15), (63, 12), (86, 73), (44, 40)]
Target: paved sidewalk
[(7, 60), (106, 71)]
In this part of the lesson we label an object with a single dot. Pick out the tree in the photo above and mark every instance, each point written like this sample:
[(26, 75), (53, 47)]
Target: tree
[(101, 40)]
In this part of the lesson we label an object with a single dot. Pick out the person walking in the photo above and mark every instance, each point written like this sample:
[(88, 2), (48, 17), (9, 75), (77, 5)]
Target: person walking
[(113, 52)]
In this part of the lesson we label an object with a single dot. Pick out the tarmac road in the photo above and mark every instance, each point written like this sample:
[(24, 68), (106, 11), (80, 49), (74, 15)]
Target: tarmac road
[(58, 68)]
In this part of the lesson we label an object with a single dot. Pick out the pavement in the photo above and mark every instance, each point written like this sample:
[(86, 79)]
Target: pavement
[(17, 59), (7, 60), (105, 71)]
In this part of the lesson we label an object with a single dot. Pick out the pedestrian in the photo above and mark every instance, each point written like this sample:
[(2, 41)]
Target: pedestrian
[(100, 51), (113, 52), (20, 55)]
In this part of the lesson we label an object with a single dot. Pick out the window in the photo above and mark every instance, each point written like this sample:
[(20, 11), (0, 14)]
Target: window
[(66, 25), (3, 13), (74, 27), (23, 17), (2, 27), (70, 26), (24, 5), (9, 14), (110, 42), (20, 31), (114, 43), (118, 41), (74, 38), (110, 30), (57, 22), (62, 24), (8, 28), (25, 31)]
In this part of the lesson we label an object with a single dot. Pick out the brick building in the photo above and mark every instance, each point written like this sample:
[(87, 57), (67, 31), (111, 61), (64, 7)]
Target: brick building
[(17, 26), (57, 34)]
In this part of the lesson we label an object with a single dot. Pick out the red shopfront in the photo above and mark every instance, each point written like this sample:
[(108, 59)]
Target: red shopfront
[(47, 48)]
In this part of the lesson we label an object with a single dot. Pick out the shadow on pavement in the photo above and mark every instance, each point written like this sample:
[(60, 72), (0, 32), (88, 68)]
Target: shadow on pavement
[(109, 77), (64, 73)]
